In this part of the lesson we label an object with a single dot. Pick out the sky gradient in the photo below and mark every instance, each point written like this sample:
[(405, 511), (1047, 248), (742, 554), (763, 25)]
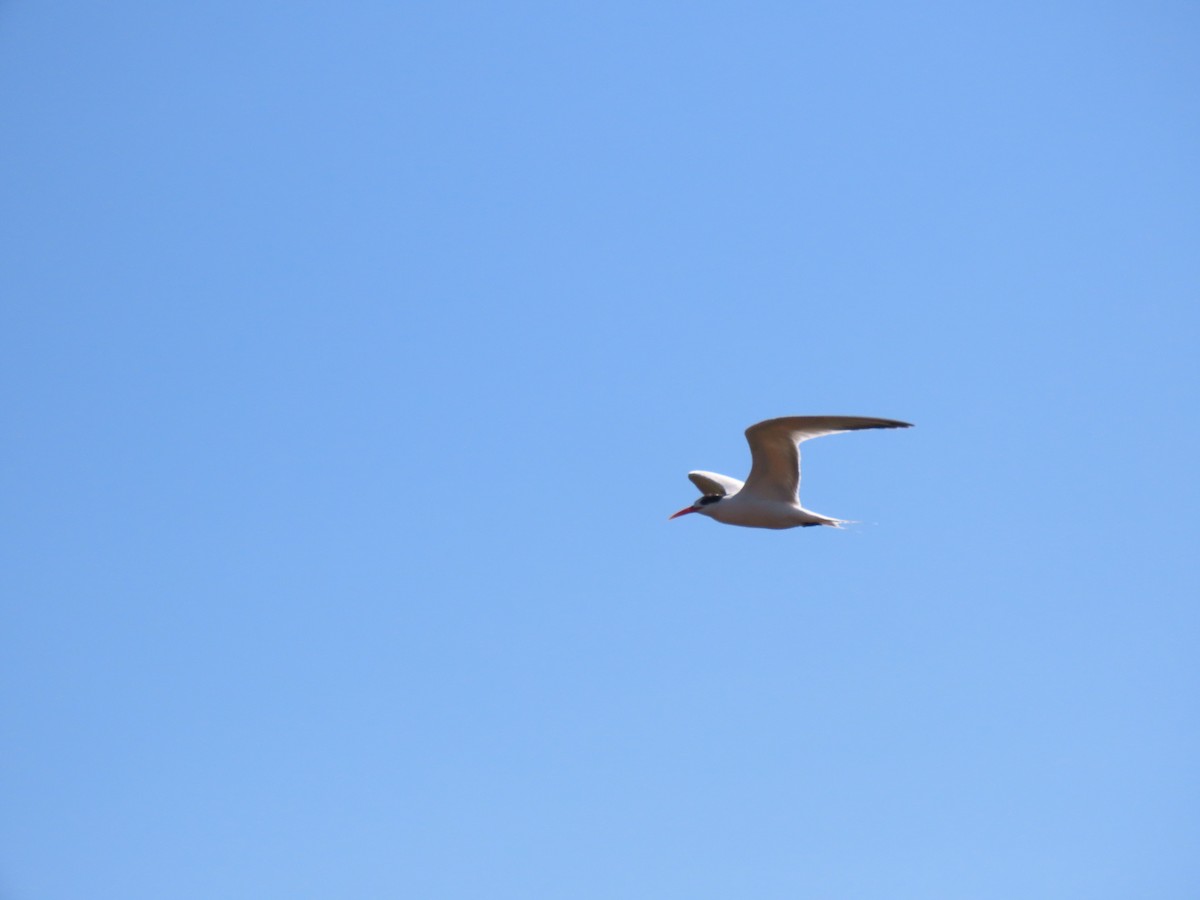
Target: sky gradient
[(354, 356)]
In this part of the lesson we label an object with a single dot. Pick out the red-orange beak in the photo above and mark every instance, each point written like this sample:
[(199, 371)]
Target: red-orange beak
[(682, 512)]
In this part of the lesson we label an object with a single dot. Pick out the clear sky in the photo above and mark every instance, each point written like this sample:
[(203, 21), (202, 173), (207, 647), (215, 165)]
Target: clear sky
[(354, 355)]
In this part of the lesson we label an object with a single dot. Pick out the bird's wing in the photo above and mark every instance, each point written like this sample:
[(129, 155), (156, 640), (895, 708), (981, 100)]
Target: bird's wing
[(775, 472), (712, 483)]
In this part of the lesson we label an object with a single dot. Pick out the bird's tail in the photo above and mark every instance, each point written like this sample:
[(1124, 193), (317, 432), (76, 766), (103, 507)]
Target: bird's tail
[(819, 519)]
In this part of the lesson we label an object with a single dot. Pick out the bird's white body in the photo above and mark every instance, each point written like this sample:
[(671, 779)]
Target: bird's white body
[(754, 512), (769, 498)]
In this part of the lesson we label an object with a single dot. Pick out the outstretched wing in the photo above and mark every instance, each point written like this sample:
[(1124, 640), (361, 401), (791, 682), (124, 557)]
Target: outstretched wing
[(712, 483), (775, 472)]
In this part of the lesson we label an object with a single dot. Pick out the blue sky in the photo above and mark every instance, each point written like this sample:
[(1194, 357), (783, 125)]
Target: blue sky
[(355, 354)]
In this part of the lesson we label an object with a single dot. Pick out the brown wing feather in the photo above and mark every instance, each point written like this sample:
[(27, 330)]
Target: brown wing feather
[(775, 472)]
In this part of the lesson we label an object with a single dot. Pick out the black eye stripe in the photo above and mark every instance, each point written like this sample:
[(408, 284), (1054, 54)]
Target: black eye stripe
[(707, 499)]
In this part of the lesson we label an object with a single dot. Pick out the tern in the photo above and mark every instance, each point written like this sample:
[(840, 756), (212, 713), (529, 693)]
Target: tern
[(769, 497)]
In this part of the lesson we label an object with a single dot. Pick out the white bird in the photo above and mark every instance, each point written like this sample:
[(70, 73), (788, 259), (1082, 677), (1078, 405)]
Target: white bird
[(769, 498)]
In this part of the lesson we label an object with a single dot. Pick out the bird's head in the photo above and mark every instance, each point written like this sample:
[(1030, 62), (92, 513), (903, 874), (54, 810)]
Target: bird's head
[(703, 505)]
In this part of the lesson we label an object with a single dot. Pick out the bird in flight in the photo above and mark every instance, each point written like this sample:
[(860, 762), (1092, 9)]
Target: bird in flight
[(769, 497)]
